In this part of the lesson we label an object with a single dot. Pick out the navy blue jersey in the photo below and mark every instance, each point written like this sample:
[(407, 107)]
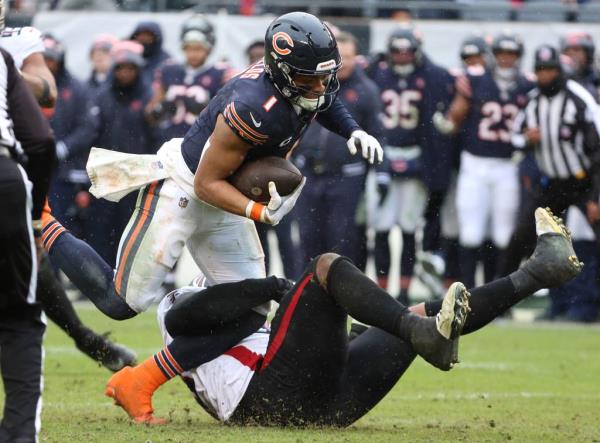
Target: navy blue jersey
[(190, 91), (323, 152), (409, 104), (257, 113), (402, 99), (488, 126)]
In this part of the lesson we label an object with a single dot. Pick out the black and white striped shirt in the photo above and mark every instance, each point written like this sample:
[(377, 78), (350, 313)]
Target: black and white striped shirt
[(569, 123)]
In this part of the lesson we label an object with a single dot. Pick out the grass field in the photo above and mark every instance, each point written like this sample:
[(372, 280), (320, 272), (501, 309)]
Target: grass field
[(516, 382)]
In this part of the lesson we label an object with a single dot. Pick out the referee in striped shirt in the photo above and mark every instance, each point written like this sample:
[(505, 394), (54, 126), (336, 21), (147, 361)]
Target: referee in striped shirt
[(561, 124)]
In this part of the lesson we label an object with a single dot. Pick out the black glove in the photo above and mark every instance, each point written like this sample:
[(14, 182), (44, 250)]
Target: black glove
[(383, 180), (163, 110), (193, 106)]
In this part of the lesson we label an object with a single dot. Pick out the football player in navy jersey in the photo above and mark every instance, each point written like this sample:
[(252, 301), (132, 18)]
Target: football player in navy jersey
[(261, 112), (580, 48), (412, 87), (486, 103), (182, 91)]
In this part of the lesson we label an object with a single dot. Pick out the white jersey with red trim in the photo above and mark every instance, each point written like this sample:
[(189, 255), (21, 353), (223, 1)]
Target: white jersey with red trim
[(221, 383), (21, 43)]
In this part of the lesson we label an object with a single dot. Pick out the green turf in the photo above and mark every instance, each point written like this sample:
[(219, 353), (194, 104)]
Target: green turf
[(519, 383)]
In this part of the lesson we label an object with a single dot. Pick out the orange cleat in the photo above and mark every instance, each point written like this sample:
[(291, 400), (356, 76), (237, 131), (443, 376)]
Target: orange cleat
[(132, 389)]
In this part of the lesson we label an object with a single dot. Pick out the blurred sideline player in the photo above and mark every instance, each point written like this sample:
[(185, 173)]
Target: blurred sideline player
[(474, 51), (150, 36), (561, 125), (255, 51), (326, 210), (305, 372), (263, 111), (485, 106), (411, 88), (580, 48), (73, 140), (27, 48), (101, 61), (182, 91)]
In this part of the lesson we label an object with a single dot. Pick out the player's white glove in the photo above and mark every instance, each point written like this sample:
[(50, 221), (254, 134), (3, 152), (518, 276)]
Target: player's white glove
[(368, 144), (442, 123), (278, 206)]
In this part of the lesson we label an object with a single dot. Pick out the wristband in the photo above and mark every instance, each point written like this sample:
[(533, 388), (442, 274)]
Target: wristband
[(255, 211)]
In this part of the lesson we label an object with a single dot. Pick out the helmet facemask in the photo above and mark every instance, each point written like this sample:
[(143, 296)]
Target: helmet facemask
[(296, 94), (296, 44)]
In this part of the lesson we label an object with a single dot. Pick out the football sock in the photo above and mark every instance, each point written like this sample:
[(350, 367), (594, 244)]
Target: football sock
[(489, 257), (363, 300), (403, 296), (487, 302), (407, 258), (88, 272), (382, 257), (451, 248), (160, 368), (468, 265), (55, 303)]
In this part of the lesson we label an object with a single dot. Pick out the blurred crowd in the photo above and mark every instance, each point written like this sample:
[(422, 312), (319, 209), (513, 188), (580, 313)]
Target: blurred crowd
[(457, 176), (525, 10)]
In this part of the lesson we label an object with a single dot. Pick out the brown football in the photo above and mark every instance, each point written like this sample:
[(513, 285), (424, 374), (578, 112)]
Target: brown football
[(252, 178)]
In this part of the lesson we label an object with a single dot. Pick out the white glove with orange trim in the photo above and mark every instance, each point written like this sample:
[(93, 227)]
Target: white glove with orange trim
[(278, 206)]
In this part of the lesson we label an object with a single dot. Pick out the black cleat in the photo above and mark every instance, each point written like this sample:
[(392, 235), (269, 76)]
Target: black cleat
[(436, 339), (99, 348), (554, 261)]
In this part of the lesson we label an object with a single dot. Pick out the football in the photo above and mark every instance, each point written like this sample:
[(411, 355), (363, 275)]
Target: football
[(252, 178)]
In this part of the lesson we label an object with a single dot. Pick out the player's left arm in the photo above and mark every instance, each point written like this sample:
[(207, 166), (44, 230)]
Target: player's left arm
[(337, 119), (39, 79)]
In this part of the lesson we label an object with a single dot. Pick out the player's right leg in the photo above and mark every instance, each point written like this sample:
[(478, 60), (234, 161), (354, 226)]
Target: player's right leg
[(150, 246), (59, 309)]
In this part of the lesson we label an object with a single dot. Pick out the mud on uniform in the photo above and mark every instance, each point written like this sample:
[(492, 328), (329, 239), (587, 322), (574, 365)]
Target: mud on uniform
[(168, 213), (301, 372)]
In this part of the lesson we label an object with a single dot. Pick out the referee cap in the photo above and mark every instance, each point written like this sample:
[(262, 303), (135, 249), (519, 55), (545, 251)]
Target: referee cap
[(547, 57)]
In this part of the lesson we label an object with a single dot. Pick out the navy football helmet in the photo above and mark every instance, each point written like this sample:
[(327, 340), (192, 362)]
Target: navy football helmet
[(507, 42), (474, 45), (300, 43), (580, 39), (197, 28), (405, 39)]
